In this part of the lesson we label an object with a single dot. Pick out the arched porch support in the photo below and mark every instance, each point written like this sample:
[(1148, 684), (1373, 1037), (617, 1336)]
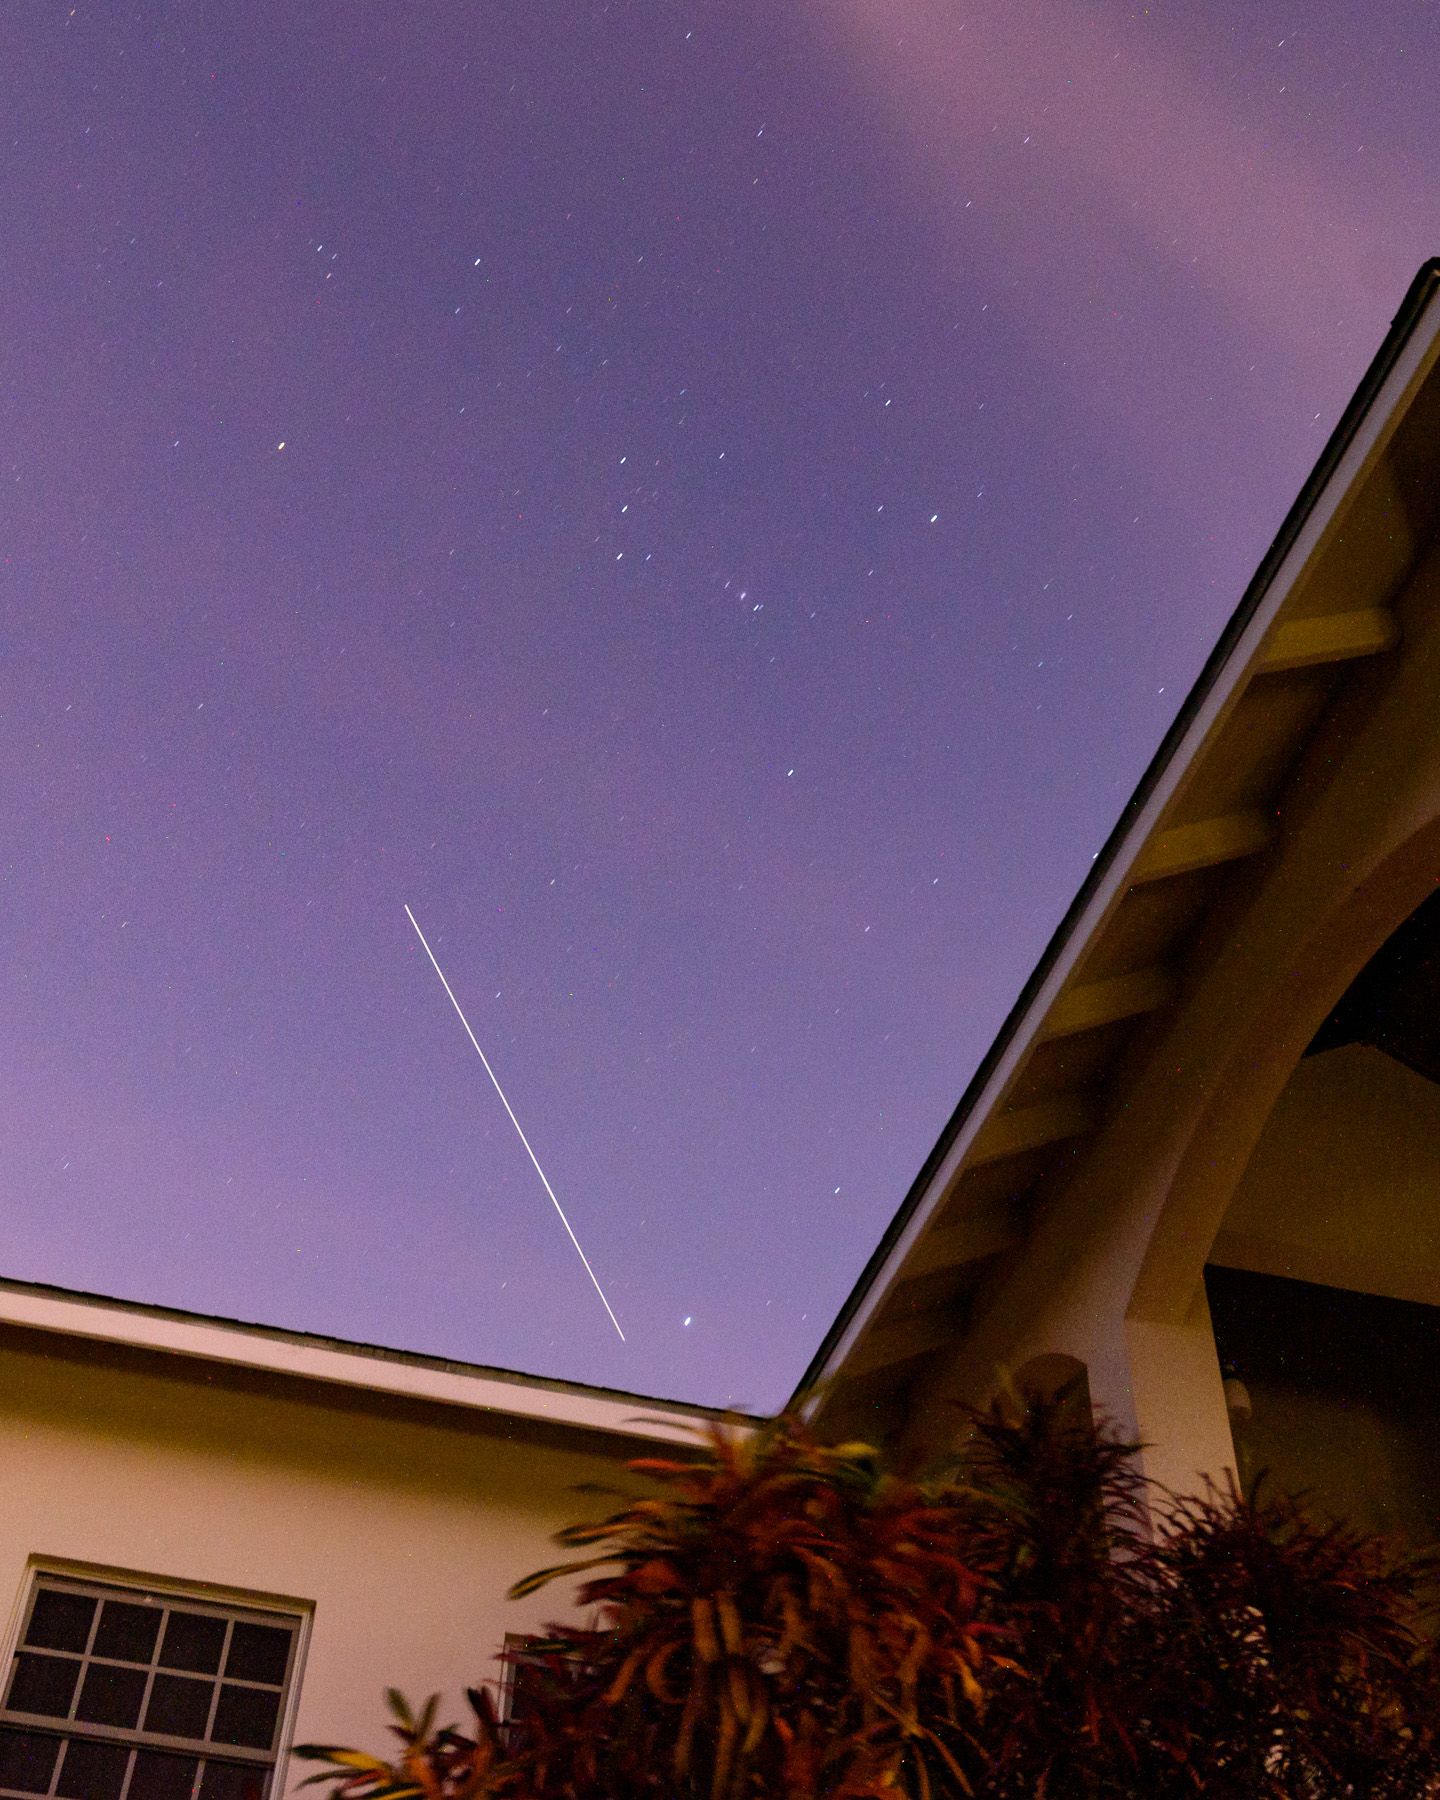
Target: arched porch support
[(1113, 1272)]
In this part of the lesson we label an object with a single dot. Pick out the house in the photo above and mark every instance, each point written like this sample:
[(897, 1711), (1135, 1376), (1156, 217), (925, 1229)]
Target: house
[(1201, 1165), (217, 1540), (1197, 1177)]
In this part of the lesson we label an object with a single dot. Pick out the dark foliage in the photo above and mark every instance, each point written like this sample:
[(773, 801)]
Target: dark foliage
[(1304, 1651), (1064, 1506), (783, 1620)]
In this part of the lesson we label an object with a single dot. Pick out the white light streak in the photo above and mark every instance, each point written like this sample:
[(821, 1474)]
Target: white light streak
[(514, 1121)]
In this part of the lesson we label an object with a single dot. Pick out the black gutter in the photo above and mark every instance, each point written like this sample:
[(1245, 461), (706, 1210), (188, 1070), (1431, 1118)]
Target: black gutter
[(1419, 294)]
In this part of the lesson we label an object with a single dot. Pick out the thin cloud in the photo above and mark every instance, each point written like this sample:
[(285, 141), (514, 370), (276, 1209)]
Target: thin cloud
[(1128, 212)]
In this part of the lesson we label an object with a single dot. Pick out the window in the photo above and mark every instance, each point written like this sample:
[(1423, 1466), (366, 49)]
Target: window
[(532, 1669), (517, 1679), (117, 1693)]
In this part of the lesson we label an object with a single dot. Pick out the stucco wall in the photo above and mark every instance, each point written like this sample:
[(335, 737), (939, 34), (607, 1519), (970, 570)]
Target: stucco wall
[(1344, 1185), (402, 1534), (1343, 1391), (1343, 1190)]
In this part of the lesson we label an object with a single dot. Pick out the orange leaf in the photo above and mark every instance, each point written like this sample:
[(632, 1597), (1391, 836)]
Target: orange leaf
[(707, 1646)]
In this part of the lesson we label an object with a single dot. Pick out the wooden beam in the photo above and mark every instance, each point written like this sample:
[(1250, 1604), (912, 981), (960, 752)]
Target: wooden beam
[(1028, 1127), (886, 1344), (1332, 637), (1184, 848), (1092, 1003), (984, 1231)]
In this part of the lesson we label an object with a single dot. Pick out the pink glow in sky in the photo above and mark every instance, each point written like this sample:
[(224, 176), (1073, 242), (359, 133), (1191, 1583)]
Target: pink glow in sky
[(757, 482)]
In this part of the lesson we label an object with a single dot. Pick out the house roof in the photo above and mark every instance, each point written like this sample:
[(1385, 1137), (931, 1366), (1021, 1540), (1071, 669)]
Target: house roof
[(335, 1363), (1206, 811)]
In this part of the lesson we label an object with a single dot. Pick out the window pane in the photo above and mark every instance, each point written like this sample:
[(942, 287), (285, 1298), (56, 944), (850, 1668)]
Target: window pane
[(43, 1684), (179, 1706), (92, 1771), (232, 1781), (60, 1621), (157, 1776), (245, 1716), (193, 1641), (127, 1631), (127, 1664), (258, 1653), (27, 1761), (111, 1696)]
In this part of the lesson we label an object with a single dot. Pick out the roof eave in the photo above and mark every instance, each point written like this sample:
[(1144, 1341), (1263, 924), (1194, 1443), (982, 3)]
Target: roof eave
[(331, 1363), (1225, 669)]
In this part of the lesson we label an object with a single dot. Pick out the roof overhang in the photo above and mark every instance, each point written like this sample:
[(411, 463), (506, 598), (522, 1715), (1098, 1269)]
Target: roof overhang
[(1163, 836), (332, 1364)]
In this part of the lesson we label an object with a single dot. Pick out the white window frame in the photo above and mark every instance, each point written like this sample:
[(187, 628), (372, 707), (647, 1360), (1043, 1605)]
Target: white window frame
[(232, 1603)]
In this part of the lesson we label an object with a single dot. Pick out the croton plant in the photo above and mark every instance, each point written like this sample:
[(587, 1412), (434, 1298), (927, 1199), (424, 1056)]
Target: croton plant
[(776, 1618)]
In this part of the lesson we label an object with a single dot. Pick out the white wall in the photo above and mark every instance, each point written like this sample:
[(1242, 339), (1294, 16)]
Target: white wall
[(1343, 1192), (1344, 1185), (403, 1535)]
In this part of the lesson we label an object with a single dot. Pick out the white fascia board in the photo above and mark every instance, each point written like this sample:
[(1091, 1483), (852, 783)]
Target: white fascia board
[(1366, 444), (240, 1347)]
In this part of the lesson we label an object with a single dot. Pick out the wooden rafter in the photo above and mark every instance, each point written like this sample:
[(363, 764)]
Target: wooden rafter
[(1332, 637), (886, 1344), (1028, 1127), (983, 1231), (1202, 844), (1089, 1004)]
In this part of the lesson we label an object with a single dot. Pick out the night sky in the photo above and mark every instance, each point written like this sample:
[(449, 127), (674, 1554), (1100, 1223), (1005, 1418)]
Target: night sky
[(712, 505)]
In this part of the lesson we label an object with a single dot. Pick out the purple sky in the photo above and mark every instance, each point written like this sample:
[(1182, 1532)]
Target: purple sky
[(757, 479)]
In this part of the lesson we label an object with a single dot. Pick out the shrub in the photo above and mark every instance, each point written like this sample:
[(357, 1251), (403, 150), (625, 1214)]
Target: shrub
[(780, 1619)]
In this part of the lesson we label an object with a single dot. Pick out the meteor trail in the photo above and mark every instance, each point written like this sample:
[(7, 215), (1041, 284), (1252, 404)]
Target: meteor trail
[(514, 1121)]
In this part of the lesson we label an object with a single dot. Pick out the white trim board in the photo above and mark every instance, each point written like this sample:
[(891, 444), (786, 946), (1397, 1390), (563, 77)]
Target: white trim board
[(273, 1352)]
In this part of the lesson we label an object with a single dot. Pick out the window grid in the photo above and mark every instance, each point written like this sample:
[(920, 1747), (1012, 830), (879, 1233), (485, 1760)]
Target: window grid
[(158, 1764), (513, 1687), (530, 1660)]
